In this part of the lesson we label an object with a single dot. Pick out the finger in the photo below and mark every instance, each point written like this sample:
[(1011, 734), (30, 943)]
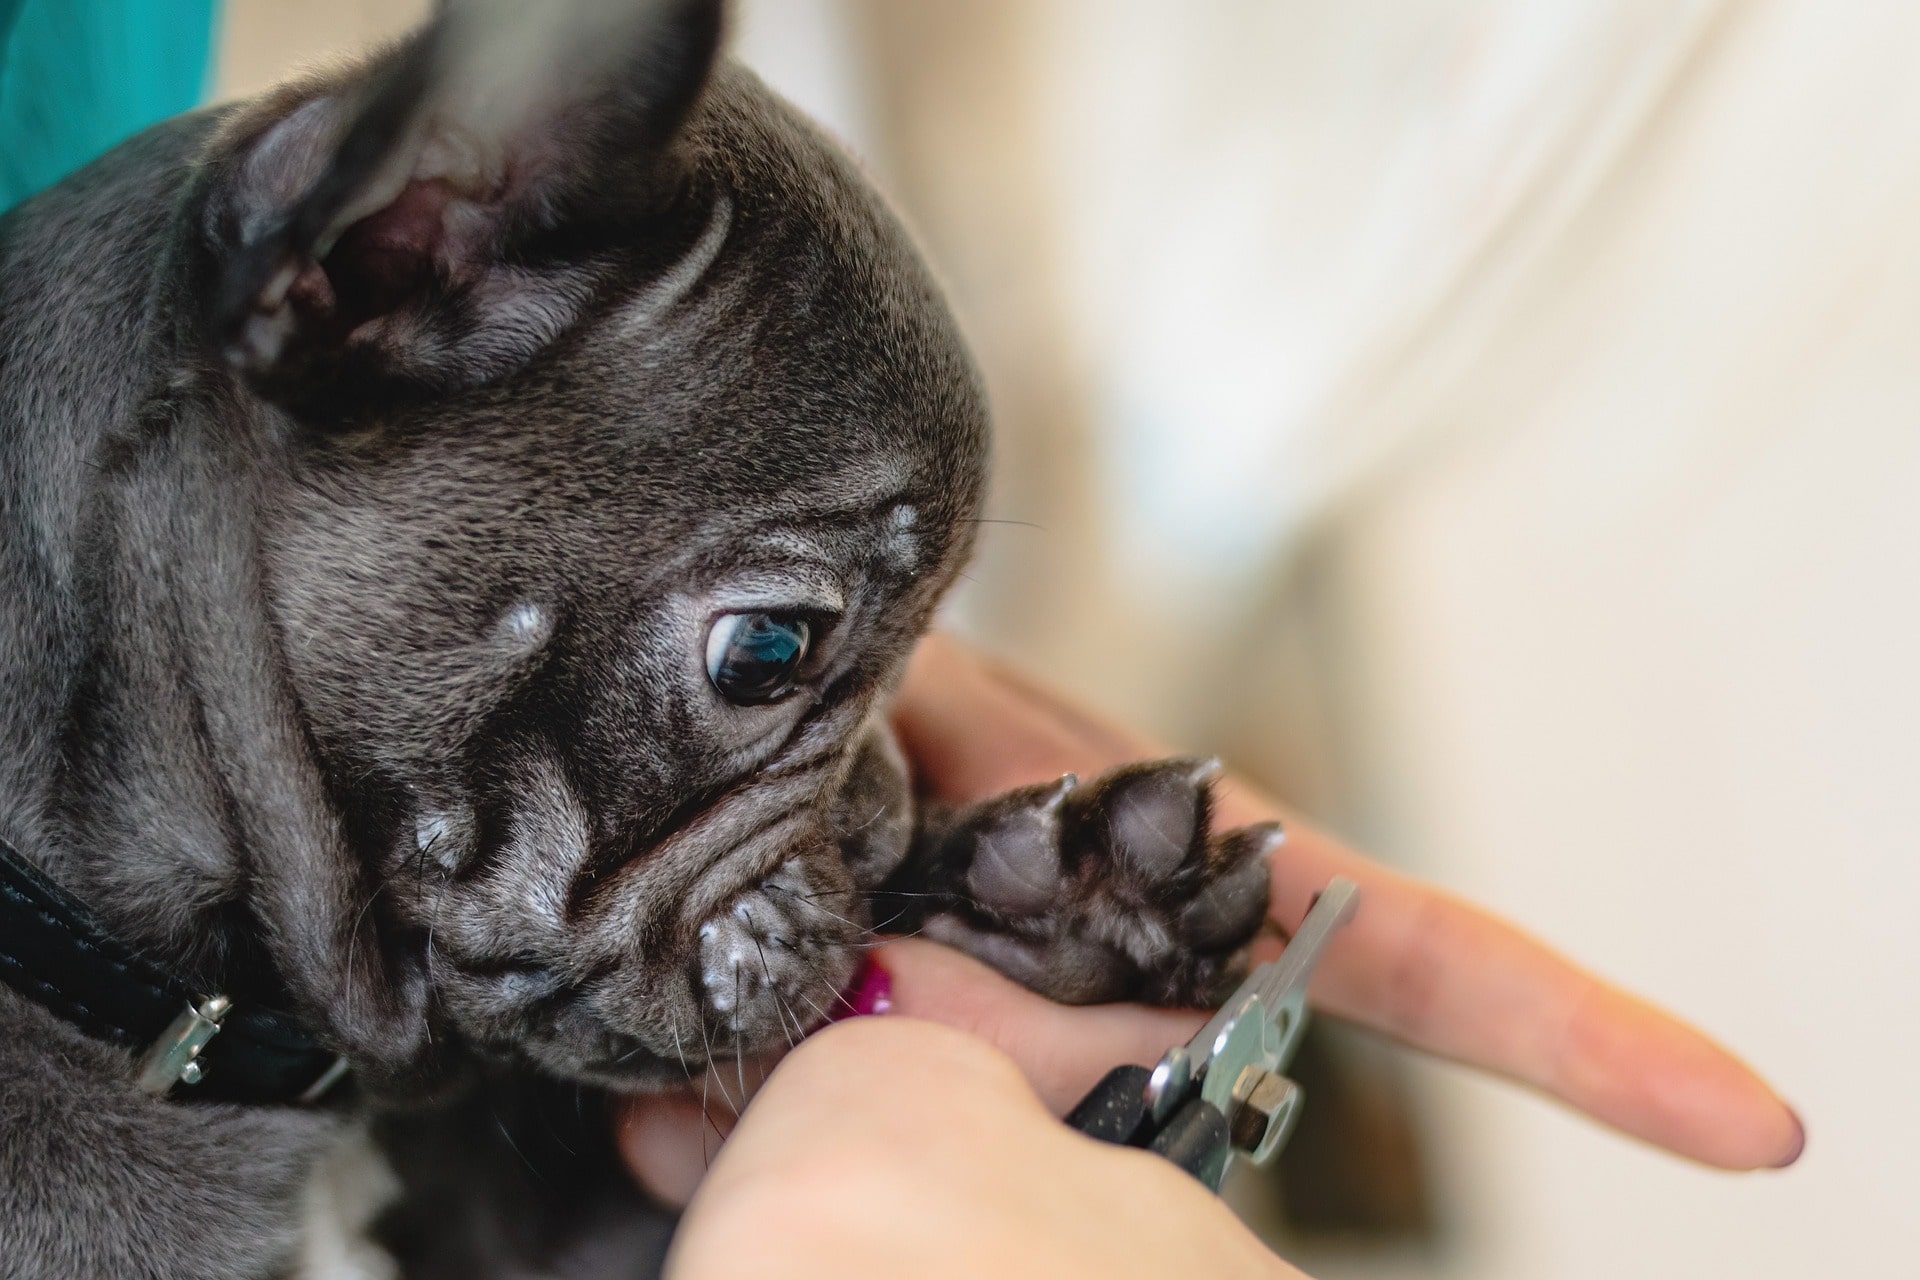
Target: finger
[(668, 1143), (972, 728), (1063, 1051), (669, 1140), (1455, 981), (1415, 963), (890, 1138)]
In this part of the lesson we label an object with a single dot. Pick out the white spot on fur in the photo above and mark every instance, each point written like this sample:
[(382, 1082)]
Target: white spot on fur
[(903, 544), (527, 624), (350, 1188), (724, 963), (527, 986), (441, 837), (429, 829)]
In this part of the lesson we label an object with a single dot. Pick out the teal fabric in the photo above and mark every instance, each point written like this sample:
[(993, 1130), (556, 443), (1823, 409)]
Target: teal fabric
[(78, 76)]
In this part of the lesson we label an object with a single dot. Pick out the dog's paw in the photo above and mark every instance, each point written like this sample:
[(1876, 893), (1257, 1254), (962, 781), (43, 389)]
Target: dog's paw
[(1108, 890)]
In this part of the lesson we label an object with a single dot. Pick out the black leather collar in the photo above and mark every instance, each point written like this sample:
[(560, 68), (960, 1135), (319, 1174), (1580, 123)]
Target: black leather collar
[(54, 952)]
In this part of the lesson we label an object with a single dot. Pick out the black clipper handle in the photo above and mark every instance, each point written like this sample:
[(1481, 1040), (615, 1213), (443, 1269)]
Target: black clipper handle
[(1196, 1137), (1198, 1140), (1115, 1110)]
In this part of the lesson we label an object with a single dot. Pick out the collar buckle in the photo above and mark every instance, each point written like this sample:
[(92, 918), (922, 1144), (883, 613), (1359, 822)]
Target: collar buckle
[(174, 1058)]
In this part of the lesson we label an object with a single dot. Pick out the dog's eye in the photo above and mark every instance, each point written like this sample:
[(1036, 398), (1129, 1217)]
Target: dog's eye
[(752, 657)]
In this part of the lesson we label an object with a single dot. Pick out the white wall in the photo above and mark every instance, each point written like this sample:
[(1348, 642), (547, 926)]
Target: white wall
[(1639, 664), (264, 41)]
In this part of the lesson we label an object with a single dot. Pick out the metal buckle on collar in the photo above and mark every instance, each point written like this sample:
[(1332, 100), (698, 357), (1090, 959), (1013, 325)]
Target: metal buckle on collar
[(174, 1057)]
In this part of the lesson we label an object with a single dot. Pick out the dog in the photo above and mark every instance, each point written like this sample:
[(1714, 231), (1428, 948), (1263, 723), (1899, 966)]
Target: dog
[(463, 517)]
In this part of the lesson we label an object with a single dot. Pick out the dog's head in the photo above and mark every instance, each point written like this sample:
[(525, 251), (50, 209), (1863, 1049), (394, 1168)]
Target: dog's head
[(621, 450)]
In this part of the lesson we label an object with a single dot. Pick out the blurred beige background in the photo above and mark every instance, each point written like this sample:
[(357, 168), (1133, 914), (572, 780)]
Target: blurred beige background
[(1496, 423)]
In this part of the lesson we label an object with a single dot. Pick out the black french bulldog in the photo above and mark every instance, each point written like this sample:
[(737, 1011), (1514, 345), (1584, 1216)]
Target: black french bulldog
[(462, 518)]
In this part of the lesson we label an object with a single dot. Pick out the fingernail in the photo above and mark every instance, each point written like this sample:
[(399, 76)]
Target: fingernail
[(870, 992), (1799, 1141)]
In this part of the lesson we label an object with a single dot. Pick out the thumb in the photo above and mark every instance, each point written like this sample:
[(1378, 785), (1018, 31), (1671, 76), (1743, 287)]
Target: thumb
[(670, 1139)]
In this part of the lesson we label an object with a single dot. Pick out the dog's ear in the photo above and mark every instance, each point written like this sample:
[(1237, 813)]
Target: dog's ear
[(437, 221)]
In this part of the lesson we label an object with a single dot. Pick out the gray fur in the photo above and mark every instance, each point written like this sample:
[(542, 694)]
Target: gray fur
[(355, 616)]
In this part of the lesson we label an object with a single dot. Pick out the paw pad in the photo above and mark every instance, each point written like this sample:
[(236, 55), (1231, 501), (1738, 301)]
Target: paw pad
[(1113, 889)]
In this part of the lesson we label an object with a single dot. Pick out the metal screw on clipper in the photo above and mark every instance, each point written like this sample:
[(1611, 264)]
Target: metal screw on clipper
[(1224, 1095)]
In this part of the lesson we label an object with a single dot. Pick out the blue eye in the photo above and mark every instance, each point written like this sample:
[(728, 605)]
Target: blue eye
[(752, 657)]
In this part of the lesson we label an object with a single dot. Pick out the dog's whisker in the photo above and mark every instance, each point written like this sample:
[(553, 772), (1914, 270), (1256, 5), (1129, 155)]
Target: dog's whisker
[(808, 900), (679, 1050), (773, 989), (828, 983), (871, 944), (706, 1113), (353, 937), (877, 814), (506, 1133), (1024, 524), (708, 1045), (824, 1015), (799, 1029), (909, 893), (739, 1060)]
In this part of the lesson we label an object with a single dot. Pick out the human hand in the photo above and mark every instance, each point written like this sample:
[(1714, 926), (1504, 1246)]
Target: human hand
[(891, 1146), (1415, 963)]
